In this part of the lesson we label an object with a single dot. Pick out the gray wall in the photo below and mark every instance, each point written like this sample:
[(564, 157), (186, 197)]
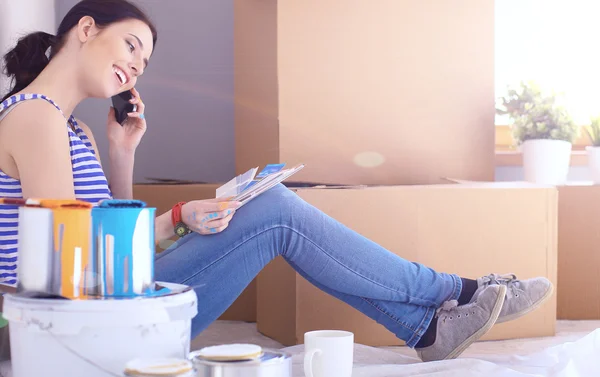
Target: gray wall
[(17, 20), (188, 92)]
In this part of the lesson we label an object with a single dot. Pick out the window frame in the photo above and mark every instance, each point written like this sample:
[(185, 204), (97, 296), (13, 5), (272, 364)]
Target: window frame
[(508, 155)]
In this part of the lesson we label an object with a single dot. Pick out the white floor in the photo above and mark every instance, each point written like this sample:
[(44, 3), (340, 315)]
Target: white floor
[(551, 356), (222, 332), (573, 352)]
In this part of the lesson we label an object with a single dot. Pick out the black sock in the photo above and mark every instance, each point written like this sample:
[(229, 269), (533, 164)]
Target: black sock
[(429, 337), (468, 290), (466, 294)]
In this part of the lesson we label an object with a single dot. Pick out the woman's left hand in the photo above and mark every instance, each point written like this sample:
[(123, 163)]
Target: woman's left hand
[(127, 137)]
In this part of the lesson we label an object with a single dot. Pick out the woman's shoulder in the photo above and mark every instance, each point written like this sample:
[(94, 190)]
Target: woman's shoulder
[(30, 108), (31, 118), (30, 123), (34, 143)]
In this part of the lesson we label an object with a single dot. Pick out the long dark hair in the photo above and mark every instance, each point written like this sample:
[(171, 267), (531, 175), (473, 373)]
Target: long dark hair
[(27, 60)]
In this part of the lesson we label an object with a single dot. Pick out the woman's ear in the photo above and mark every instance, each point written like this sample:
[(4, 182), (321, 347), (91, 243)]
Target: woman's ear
[(86, 28)]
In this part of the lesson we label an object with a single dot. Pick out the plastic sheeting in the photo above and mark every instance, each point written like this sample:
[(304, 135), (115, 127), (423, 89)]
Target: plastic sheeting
[(574, 355), (580, 358)]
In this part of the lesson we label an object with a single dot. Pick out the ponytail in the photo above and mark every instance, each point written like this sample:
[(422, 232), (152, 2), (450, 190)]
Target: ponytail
[(27, 60)]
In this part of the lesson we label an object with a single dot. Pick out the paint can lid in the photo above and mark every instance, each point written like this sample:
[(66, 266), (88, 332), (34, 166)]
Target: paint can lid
[(159, 367), (47, 203), (230, 352), (121, 203), (240, 355)]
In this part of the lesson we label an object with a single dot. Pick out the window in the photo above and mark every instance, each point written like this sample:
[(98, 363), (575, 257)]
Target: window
[(554, 42)]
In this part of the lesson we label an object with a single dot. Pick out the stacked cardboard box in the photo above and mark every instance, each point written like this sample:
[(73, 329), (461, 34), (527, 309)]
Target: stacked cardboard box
[(469, 229), (397, 93), (368, 92), (578, 293)]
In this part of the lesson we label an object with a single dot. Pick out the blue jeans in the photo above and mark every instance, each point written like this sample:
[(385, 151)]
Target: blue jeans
[(398, 294)]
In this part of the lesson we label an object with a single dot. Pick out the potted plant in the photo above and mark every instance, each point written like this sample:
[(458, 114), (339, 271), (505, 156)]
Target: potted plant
[(593, 151), (543, 130)]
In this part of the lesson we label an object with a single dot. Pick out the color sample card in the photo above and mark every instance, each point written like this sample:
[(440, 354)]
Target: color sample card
[(270, 169)]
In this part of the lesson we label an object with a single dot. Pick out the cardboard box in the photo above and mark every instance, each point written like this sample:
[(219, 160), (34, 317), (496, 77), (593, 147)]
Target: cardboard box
[(163, 196), (578, 292), (469, 229), (362, 102)]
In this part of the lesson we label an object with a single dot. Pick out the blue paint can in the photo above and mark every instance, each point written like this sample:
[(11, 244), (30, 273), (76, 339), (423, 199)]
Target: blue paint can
[(123, 248)]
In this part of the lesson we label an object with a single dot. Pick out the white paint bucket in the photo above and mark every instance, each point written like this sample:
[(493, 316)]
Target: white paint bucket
[(59, 338)]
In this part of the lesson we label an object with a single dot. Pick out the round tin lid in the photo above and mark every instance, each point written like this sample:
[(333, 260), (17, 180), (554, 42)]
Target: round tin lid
[(230, 352), (266, 357), (162, 367)]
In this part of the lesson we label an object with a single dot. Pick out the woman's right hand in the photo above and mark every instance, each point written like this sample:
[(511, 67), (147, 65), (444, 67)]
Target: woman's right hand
[(209, 216)]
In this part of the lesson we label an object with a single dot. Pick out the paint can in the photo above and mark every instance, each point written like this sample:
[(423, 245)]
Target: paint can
[(54, 247), (271, 363), (123, 248), (97, 337)]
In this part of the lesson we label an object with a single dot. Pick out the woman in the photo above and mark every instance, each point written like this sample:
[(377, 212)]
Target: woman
[(102, 48)]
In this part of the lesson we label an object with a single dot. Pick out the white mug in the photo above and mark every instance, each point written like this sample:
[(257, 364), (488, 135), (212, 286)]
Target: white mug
[(328, 353)]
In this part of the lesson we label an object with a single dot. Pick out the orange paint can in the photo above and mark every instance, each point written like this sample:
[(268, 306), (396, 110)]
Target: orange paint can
[(54, 254)]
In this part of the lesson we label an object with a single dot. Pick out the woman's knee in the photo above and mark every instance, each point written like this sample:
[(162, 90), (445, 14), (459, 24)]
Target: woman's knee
[(279, 202)]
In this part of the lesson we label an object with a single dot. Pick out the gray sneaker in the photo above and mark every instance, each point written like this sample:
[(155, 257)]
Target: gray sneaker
[(460, 326), (522, 297)]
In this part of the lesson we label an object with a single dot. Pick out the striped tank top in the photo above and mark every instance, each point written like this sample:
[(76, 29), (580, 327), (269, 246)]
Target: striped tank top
[(89, 179)]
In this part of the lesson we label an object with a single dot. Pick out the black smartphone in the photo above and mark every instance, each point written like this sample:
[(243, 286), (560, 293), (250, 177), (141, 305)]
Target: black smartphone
[(122, 105)]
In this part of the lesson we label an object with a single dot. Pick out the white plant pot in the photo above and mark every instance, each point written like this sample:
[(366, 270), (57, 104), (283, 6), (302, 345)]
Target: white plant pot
[(546, 161), (593, 154)]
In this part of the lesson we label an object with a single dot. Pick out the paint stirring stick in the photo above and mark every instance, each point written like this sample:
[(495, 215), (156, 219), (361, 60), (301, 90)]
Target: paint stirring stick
[(110, 264), (76, 271)]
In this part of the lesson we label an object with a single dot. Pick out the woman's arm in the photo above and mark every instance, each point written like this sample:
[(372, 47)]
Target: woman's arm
[(163, 227), (121, 173), (121, 167), (208, 216)]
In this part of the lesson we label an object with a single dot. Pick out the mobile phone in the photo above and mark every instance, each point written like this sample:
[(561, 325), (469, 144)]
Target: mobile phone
[(123, 106)]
